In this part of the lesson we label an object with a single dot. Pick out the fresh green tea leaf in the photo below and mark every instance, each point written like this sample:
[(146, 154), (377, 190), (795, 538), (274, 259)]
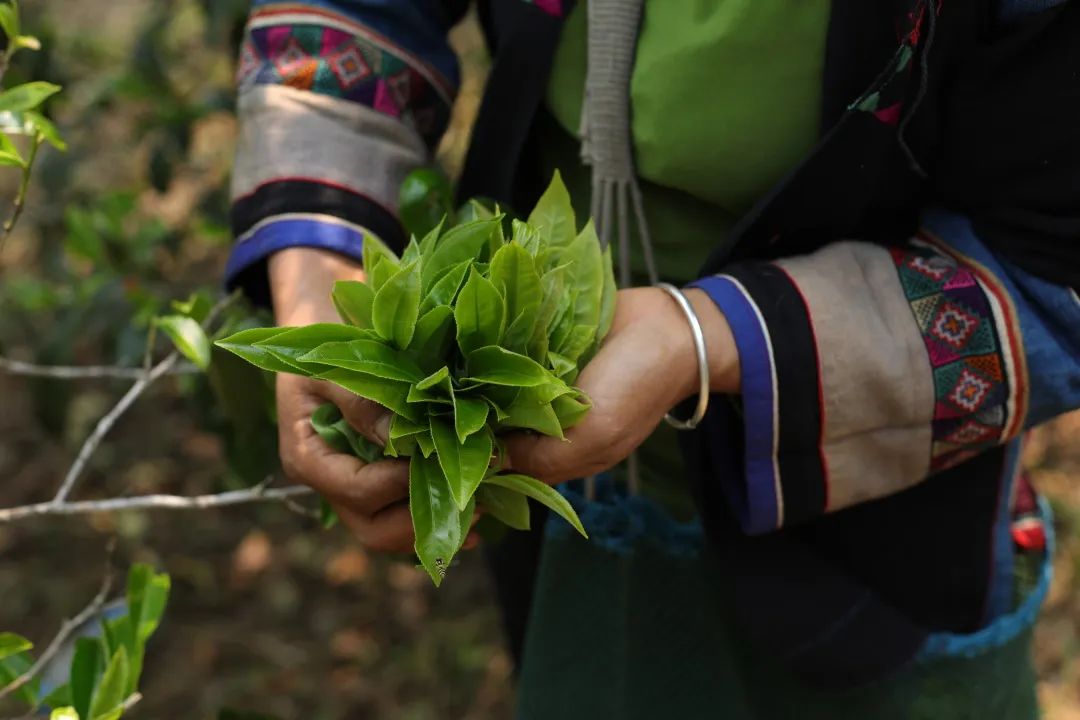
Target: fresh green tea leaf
[(324, 421), (291, 344), (480, 314), (353, 300), (513, 272), (577, 342), (570, 409), (445, 289), (585, 276), (458, 244), (498, 366), (463, 463), (64, 713), (532, 412), (245, 345), (381, 272), (412, 252), (553, 216), (188, 337), (470, 415), (608, 298), (397, 305), (507, 506), (367, 356), (373, 252), (435, 516), (433, 337), (542, 493), (388, 393), (525, 237)]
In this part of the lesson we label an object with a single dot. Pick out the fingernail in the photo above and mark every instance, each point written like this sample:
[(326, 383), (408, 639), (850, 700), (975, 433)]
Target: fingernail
[(382, 428)]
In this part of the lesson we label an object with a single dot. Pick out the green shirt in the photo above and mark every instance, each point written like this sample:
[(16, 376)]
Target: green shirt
[(725, 100)]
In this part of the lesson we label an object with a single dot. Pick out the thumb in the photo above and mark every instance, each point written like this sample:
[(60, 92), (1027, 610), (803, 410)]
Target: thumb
[(366, 417)]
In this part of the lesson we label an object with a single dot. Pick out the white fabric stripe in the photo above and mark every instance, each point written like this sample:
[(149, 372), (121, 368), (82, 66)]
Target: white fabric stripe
[(287, 133), (777, 490), (1002, 327), (314, 217), (441, 85)]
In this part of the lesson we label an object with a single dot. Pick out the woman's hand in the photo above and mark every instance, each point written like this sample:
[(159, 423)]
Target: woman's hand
[(372, 500), (647, 365)]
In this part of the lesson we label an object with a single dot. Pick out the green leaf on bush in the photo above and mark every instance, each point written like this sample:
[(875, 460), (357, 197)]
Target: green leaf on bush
[(9, 21), (86, 667), (110, 693), (64, 713), (542, 493), (10, 644), (27, 96), (188, 337)]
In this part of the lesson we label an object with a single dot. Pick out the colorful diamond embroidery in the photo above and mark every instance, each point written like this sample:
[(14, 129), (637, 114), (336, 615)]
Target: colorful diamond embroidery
[(954, 325), (349, 66), (362, 67), (957, 325)]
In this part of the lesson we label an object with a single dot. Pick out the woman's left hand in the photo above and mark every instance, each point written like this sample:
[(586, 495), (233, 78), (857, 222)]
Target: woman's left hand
[(647, 365)]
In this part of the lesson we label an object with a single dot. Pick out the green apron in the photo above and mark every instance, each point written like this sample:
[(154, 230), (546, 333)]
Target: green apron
[(635, 623)]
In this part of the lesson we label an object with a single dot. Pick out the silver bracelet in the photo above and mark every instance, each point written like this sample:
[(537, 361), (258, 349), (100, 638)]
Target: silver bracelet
[(702, 358)]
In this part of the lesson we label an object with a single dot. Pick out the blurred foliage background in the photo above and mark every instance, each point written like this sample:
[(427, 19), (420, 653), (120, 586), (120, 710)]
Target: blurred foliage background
[(268, 614)]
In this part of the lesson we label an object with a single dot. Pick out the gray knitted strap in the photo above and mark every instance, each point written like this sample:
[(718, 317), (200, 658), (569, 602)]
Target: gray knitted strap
[(607, 143)]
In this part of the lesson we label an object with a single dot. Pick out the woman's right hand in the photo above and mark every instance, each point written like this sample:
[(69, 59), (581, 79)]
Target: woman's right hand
[(371, 500)]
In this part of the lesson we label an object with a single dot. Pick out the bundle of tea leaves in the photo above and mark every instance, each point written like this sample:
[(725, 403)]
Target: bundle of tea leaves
[(476, 330)]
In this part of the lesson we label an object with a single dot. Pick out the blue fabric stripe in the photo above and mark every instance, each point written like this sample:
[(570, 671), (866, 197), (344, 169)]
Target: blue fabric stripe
[(1006, 628), (288, 233), (755, 495)]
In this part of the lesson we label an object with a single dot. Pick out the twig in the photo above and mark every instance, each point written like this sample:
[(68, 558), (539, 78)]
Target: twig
[(106, 423), (255, 494), (66, 629), (300, 509), (85, 372), (24, 187), (130, 702)]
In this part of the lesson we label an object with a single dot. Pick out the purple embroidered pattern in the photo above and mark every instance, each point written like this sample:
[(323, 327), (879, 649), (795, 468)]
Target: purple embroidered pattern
[(335, 56), (972, 383)]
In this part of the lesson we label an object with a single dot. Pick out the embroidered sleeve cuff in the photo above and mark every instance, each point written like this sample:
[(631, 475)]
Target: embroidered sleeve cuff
[(782, 477)]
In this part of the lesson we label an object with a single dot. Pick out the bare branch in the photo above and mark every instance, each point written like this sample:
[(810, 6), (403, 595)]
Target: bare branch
[(66, 629), (130, 702), (85, 372), (255, 494), (106, 423)]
